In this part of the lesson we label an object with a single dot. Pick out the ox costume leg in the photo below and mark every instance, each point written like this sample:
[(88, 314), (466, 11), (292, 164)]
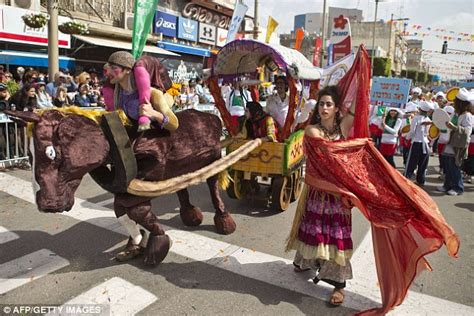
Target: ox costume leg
[(222, 219), (138, 210), (190, 214)]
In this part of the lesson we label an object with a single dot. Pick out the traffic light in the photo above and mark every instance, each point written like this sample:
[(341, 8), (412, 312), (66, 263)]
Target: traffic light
[(444, 49)]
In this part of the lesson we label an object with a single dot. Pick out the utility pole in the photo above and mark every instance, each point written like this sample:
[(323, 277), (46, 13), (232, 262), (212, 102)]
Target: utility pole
[(323, 36), (255, 20), (390, 39), (53, 50), (373, 34)]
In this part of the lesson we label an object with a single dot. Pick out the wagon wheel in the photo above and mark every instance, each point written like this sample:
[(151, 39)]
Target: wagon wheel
[(282, 188), (297, 184), (239, 187)]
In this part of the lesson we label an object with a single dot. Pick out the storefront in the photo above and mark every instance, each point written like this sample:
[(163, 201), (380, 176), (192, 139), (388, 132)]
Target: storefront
[(21, 45), (191, 30)]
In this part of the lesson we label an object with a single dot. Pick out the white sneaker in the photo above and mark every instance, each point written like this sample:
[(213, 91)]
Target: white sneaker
[(441, 189), (452, 192)]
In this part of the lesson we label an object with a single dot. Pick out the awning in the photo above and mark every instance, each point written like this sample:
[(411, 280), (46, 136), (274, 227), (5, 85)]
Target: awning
[(10, 57), (184, 49), (100, 41)]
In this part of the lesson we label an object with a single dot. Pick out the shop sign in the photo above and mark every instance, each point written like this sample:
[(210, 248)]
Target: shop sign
[(221, 37), (204, 15), (207, 34), (187, 29), (165, 23), (12, 29)]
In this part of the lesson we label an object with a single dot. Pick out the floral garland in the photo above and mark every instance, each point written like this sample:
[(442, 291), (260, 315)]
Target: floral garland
[(73, 27), (35, 20)]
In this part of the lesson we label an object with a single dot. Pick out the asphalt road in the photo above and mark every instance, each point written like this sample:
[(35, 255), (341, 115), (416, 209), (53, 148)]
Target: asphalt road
[(58, 259)]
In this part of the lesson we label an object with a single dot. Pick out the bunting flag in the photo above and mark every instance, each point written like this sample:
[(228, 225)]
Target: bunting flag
[(299, 38), (142, 19), (271, 26)]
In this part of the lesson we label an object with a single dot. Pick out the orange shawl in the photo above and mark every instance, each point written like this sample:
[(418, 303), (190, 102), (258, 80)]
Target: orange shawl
[(406, 222)]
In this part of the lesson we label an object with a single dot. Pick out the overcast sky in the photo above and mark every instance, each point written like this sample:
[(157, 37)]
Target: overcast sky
[(453, 15)]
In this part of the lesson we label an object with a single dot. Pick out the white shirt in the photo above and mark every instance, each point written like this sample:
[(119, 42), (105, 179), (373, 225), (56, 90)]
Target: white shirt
[(390, 135), (237, 110), (465, 120), (277, 108), (419, 133)]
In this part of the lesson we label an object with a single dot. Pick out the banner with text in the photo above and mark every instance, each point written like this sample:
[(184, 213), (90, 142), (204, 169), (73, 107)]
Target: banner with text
[(390, 91), (340, 38), (237, 18)]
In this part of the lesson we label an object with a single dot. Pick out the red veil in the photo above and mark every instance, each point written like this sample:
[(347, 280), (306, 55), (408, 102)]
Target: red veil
[(406, 223)]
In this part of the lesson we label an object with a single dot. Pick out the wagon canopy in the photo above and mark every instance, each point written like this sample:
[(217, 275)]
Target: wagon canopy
[(242, 57)]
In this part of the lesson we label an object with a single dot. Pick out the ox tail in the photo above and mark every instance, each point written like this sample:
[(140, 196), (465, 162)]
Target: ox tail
[(224, 180)]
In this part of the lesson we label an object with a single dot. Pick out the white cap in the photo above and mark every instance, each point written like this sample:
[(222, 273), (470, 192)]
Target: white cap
[(411, 107), (394, 109), (440, 94), (426, 106), (465, 95), (449, 109), (416, 90)]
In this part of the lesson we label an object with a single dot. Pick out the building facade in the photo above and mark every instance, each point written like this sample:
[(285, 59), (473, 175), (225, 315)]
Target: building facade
[(183, 31), (414, 55)]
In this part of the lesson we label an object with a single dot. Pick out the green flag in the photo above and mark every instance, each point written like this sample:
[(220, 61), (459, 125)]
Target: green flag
[(142, 19)]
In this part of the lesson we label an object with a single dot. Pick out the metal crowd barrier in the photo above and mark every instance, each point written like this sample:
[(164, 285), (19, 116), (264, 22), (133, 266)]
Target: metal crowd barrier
[(13, 143)]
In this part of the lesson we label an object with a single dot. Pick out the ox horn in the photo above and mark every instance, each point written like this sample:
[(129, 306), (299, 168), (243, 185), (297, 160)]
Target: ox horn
[(26, 116), (157, 188)]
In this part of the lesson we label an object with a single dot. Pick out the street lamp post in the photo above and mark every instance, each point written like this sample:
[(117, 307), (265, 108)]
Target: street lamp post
[(255, 20), (53, 50), (323, 35), (395, 41)]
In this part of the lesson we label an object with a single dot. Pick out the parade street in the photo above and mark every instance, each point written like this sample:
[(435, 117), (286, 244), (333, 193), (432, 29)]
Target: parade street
[(57, 259)]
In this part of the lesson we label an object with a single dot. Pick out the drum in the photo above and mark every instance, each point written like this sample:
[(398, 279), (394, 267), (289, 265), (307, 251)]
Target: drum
[(440, 118), (433, 132), (405, 129), (452, 93)]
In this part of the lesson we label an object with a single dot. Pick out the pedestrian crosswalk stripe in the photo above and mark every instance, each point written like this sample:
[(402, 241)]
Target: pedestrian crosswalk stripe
[(30, 267), (122, 297), (361, 293), (6, 235)]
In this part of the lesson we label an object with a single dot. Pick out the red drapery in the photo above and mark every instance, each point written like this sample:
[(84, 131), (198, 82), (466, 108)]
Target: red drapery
[(406, 223)]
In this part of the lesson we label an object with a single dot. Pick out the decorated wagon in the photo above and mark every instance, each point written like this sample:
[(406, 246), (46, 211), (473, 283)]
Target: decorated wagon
[(280, 162)]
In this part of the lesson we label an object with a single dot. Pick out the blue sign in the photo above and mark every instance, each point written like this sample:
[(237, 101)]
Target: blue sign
[(390, 91), (165, 23), (187, 29)]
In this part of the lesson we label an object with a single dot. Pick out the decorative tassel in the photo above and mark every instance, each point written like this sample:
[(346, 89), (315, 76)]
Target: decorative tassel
[(224, 180)]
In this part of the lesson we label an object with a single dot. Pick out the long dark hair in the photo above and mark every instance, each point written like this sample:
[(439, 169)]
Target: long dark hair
[(461, 106), (335, 93), (22, 100)]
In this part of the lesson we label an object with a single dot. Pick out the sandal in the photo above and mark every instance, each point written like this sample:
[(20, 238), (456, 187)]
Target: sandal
[(337, 297), (298, 269)]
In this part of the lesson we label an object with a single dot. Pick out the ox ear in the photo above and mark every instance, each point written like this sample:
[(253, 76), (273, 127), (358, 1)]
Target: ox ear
[(26, 116)]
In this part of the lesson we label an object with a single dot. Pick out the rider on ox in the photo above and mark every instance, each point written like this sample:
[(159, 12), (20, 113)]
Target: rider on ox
[(136, 83)]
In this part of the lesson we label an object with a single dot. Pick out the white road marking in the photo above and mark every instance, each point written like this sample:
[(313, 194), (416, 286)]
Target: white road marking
[(25, 269), (122, 297), (361, 293), (6, 235)]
